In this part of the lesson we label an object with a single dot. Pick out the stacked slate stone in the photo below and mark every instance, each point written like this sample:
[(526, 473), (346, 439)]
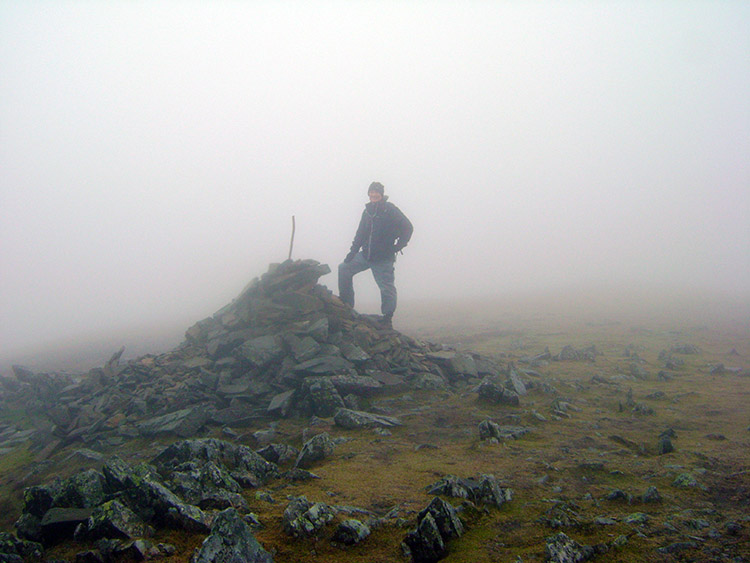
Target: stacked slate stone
[(285, 346)]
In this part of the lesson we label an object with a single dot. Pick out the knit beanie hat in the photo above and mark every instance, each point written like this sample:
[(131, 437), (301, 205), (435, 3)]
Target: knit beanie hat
[(376, 187)]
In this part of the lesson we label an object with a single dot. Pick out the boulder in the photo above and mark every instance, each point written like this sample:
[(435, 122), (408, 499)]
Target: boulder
[(14, 550), (492, 390), (220, 452), (323, 396), (114, 520), (279, 454), (665, 445), (515, 382), (562, 549), (485, 490), (317, 448), (303, 518), (59, 524), (436, 525), (230, 541), (445, 517), (351, 532), (281, 403), (457, 364), (207, 486), (489, 429), (425, 544), (38, 499), (29, 527), (82, 490)]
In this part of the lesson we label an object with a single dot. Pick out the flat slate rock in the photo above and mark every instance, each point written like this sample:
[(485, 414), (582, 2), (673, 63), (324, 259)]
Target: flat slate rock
[(183, 423), (347, 418)]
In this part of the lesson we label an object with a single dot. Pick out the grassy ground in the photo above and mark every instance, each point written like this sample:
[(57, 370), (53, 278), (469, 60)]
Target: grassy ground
[(551, 465)]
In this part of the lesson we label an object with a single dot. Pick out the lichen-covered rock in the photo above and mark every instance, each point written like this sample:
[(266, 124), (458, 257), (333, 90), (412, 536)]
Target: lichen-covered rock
[(230, 541), (685, 481), (351, 532), (279, 454), (457, 364), (37, 500), (14, 550), (359, 385), (82, 490), (562, 549), (118, 475), (315, 449), (515, 382), (489, 429), (29, 527), (323, 396), (60, 524), (207, 485), (303, 518), (494, 391), (665, 445), (425, 544), (651, 495), (218, 452), (154, 502), (485, 490), (445, 517), (114, 520), (489, 491)]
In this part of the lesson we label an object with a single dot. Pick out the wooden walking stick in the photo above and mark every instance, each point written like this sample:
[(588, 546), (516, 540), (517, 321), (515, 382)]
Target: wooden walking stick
[(291, 243)]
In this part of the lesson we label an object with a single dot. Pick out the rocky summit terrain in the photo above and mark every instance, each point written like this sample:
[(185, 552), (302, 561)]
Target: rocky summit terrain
[(289, 427)]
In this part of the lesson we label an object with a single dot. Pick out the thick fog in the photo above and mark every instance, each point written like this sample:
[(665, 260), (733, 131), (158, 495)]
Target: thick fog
[(152, 154)]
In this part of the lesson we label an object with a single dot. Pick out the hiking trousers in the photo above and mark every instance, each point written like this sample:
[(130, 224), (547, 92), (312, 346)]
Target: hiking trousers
[(382, 271)]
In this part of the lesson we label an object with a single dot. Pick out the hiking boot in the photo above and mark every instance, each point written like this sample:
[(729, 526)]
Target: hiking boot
[(386, 322)]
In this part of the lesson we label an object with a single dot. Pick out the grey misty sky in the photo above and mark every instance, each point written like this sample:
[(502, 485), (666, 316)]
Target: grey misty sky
[(153, 153)]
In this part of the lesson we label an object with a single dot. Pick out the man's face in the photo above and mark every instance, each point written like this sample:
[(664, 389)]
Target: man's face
[(375, 196)]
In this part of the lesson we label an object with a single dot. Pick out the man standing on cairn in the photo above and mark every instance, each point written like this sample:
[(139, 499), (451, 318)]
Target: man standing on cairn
[(383, 231)]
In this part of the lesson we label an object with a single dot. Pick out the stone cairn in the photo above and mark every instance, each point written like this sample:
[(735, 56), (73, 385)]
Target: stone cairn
[(286, 346)]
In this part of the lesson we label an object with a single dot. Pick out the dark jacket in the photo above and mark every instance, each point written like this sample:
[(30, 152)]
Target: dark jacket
[(383, 231)]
